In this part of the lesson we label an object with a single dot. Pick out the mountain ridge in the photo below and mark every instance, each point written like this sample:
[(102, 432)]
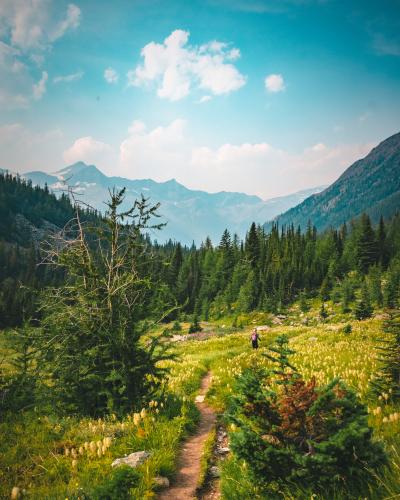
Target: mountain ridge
[(191, 215), (371, 184)]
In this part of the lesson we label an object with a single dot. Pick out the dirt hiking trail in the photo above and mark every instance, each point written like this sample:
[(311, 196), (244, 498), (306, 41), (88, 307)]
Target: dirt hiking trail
[(185, 484)]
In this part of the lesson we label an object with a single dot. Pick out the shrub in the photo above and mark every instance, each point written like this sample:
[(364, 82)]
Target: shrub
[(117, 487), (347, 329), (176, 327)]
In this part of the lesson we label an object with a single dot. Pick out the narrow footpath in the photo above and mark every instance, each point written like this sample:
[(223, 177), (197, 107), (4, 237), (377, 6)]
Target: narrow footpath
[(184, 486)]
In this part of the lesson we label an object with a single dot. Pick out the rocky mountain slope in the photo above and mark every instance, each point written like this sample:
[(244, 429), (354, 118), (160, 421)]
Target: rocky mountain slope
[(371, 184)]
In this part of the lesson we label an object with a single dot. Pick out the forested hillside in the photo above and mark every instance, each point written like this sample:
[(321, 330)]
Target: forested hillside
[(370, 185), (28, 217)]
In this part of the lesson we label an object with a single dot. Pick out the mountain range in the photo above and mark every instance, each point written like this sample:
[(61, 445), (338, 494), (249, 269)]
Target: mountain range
[(191, 215), (371, 185)]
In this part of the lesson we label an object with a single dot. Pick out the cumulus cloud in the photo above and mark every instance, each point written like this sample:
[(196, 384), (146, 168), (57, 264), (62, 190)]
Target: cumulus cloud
[(274, 83), (73, 77), (167, 152), (177, 67), (268, 171), (89, 150), (39, 88), (160, 153), (110, 75)]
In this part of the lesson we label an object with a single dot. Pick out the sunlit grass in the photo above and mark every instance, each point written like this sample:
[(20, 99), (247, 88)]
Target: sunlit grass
[(34, 454)]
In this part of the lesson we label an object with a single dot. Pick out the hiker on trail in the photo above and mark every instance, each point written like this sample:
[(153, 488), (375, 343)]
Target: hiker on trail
[(254, 339)]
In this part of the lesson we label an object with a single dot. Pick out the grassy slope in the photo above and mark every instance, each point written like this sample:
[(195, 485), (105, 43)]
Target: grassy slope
[(33, 455)]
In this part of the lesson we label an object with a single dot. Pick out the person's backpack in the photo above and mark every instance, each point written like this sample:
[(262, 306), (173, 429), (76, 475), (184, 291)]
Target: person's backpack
[(254, 336)]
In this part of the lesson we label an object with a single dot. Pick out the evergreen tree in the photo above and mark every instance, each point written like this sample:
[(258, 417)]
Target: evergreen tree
[(347, 294), (312, 437), (366, 247), (324, 291), (387, 380), (382, 244), (89, 343), (304, 305), (253, 246), (375, 285), (363, 307), (391, 291), (247, 295), (175, 266), (195, 325), (323, 313)]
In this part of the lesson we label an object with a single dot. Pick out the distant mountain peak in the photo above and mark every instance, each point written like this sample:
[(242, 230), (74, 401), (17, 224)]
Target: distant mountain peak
[(77, 169)]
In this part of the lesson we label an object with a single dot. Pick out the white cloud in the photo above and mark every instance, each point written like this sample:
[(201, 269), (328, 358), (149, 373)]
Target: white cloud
[(160, 153), (39, 88), (71, 21), (29, 29), (177, 67), (167, 152), (74, 77), (35, 148), (33, 25), (110, 75), (205, 98), (274, 83), (267, 171), (90, 150)]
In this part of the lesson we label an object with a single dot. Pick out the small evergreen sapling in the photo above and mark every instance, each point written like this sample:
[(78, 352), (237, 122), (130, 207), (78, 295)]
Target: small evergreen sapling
[(195, 325), (323, 312), (304, 305)]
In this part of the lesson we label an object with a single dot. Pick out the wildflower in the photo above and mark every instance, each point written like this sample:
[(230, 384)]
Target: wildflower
[(74, 464), (143, 413), (136, 418), (15, 492), (92, 446), (66, 452), (99, 452), (81, 450)]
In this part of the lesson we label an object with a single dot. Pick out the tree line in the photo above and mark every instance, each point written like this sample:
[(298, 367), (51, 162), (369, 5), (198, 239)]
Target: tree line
[(266, 271)]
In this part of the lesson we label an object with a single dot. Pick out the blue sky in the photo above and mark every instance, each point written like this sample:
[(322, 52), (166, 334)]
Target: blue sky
[(265, 97)]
